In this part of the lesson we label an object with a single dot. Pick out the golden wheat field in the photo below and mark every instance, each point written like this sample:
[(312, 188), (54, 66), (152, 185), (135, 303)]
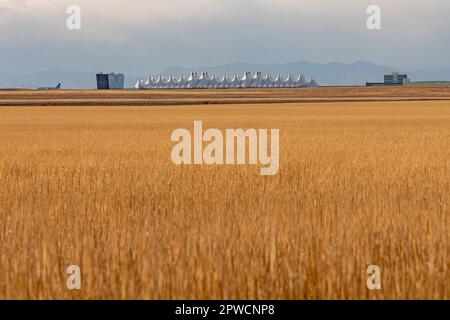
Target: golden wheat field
[(360, 183)]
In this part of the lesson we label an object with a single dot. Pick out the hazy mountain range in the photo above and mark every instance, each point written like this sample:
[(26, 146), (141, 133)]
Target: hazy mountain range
[(326, 74)]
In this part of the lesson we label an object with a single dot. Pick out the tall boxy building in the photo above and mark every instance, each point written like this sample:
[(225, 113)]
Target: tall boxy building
[(114, 81)]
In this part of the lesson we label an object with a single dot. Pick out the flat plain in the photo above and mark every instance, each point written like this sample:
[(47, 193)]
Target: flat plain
[(87, 179)]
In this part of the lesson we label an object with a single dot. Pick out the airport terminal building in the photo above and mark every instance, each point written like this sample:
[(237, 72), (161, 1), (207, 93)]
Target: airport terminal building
[(205, 81)]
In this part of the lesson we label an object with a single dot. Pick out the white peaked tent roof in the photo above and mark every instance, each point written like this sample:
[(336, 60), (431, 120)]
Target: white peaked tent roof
[(248, 80), (172, 79), (161, 80), (215, 79), (224, 82), (290, 78), (247, 76), (258, 75), (150, 81), (205, 76), (301, 78), (139, 84), (193, 76), (182, 79), (312, 82), (300, 82)]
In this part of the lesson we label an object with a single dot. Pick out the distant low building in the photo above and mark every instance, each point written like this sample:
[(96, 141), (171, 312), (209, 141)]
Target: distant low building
[(113, 81), (393, 79), (396, 78)]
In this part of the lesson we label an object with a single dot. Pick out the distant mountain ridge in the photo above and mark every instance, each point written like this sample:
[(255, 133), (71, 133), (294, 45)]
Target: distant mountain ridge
[(326, 74), (333, 74)]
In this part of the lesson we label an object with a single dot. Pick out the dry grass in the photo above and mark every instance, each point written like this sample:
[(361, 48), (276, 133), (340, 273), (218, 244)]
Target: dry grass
[(359, 184), (196, 97)]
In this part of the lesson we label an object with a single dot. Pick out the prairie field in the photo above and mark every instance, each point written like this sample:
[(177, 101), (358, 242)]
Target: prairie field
[(360, 183)]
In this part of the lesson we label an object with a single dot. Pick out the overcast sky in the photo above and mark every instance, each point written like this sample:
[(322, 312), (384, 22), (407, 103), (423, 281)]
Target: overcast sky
[(140, 36)]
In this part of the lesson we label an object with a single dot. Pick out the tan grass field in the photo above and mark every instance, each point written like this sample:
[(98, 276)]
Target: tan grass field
[(360, 183)]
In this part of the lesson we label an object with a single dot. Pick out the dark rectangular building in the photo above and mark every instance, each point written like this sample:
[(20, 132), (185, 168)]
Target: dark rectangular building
[(102, 81)]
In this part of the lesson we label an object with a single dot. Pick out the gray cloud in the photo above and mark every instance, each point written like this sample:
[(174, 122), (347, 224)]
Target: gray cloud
[(140, 36)]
